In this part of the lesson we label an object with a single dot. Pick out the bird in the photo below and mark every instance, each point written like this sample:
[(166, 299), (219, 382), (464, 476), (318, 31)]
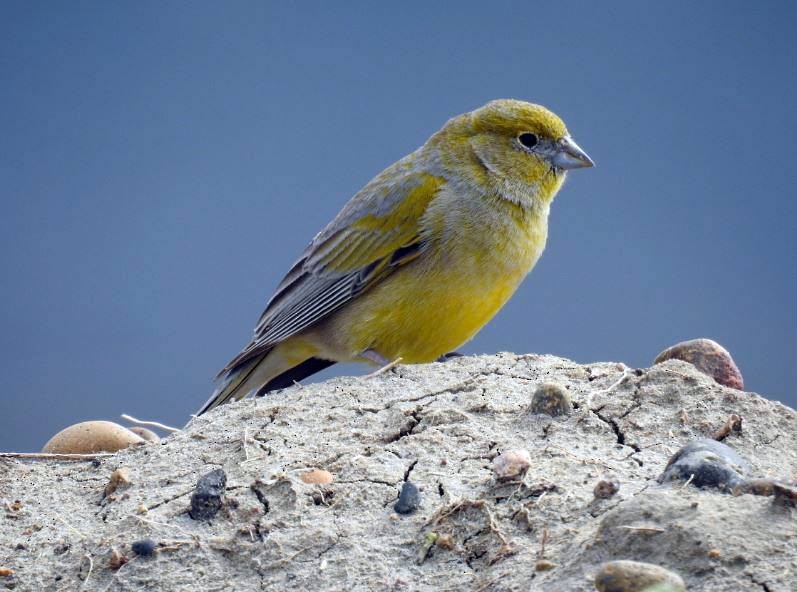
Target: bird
[(421, 258)]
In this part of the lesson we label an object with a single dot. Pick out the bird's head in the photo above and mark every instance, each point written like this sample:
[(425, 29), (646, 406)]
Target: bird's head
[(515, 144)]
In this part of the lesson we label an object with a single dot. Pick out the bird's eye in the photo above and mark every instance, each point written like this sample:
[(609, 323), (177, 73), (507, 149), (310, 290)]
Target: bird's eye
[(528, 139)]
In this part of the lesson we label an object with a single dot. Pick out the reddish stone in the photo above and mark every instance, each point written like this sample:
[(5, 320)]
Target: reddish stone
[(707, 356)]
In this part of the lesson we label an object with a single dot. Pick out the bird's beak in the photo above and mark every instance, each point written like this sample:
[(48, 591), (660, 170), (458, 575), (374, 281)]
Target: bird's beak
[(568, 155)]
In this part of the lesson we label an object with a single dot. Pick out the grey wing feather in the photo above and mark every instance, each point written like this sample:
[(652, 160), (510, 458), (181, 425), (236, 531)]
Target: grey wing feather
[(310, 291)]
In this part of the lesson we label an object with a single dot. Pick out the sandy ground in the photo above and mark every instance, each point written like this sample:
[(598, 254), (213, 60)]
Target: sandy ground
[(439, 427)]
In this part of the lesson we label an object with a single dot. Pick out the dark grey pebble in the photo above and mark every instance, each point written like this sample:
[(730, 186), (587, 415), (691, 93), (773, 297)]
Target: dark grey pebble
[(551, 399), (144, 547), (409, 499), (707, 463), (206, 500)]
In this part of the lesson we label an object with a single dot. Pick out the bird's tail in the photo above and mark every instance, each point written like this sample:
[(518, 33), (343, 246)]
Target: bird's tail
[(260, 374)]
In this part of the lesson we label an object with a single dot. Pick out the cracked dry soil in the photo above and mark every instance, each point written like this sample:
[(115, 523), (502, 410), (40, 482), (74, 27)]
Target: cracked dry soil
[(438, 426)]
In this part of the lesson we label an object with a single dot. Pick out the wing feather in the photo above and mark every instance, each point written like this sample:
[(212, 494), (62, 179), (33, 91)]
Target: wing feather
[(375, 233)]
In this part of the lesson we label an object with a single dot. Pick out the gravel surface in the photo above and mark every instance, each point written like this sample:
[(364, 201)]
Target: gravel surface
[(439, 427)]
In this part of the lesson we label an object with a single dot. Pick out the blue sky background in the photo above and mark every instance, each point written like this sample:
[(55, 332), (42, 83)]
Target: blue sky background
[(163, 163)]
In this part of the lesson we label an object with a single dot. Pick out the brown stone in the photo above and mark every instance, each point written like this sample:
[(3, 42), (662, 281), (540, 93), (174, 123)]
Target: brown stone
[(707, 356), (317, 477), (92, 436), (635, 576)]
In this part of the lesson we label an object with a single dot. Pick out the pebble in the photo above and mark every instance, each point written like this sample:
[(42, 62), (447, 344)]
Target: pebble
[(707, 356), (144, 547), (317, 477), (88, 437), (551, 399), (206, 499), (117, 560), (732, 425), (764, 487), (428, 542), (606, 488), (511, 464), (707, 463), (785, 495), (635, 576), (409, 499), (120, 479), (148, 435)]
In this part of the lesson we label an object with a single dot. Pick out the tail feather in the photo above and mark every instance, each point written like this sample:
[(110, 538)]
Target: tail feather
[(258, 375), (295, 374), (230, 385)]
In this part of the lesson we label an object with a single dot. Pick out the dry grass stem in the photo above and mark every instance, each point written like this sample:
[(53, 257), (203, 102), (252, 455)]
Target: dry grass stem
[(655, 529), (149, 424), (383, 369), (53, 456)]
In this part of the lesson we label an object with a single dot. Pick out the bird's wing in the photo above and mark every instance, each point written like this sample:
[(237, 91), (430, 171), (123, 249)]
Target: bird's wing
[(376, 232)]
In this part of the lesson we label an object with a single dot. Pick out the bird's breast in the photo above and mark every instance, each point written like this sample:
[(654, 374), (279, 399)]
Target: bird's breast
[(474, 260)]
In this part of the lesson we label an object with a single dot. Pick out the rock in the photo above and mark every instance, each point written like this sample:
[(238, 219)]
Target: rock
[(765, 487), (635, 576), (734, 424), (144, 547), (116, 560), (206, 500), (706, 463), (511, 464), (707, 356), (92, 436), (551, 399), (148, 435), (317, 477), (785, 495), (120, 479), (429, 541), (605, 488), (445, 541), (471, 529), (409, 499)]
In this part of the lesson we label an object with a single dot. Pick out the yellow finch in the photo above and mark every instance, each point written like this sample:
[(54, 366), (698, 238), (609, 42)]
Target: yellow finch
[(421, 258)]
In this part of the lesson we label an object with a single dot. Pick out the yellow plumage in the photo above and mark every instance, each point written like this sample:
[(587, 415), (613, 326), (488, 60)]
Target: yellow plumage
[(422, 257)]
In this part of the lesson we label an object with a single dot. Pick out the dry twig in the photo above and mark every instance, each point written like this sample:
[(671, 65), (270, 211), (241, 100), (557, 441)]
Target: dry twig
[(654, 529), (583, 461), (383, 369), (150, 424), (626, 373), (734, 424), (243, 443), (544, 538), (53, 456), (70, 527), (91, 567)]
